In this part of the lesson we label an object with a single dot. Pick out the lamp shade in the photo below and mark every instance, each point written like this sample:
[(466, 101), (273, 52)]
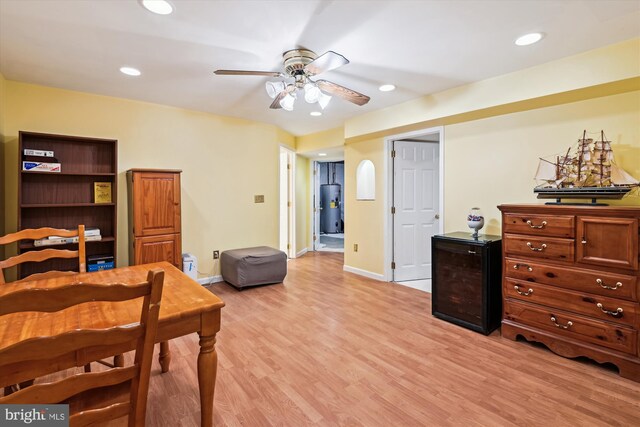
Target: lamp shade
[(274, 88), (323, 99), (287, 102), (311, 93)]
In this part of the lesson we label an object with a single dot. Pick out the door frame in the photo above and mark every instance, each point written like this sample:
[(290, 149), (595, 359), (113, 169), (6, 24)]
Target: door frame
[(291, 207), (388, 190)]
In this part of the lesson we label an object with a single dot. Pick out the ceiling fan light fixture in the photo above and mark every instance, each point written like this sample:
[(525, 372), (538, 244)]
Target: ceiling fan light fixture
[(323, 99), (315, 113), (287, 102), (274, 88), (387, 88), (311, 93)]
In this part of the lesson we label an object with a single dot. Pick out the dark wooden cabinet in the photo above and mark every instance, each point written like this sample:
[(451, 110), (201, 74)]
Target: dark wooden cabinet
[(65, 199), (572, 281), (466, 280), (154, 216)]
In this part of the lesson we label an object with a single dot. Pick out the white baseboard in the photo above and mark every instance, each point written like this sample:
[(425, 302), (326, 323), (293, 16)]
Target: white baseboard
[(210, 280), (422, 285), (364, 273), (302, 252)]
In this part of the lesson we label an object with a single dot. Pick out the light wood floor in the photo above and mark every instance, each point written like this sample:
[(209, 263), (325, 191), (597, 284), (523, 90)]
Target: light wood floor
[(330, 348)]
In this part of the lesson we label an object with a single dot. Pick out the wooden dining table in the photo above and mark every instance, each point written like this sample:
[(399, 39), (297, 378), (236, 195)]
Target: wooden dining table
[(186, 308)]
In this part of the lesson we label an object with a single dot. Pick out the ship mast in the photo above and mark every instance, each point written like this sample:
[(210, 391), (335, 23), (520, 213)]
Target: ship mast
[(581, 155), (602, 157)]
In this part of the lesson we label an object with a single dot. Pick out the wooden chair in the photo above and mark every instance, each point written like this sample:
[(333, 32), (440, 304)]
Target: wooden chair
[(45, 254), (33, 357)]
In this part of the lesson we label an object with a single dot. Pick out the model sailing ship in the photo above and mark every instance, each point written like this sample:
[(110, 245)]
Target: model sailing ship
[(589, 172)]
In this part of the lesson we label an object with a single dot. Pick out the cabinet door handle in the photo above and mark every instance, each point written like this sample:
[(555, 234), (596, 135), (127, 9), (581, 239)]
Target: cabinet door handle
[(567, 326), (605, 286), (542, 225), (617, 313), (525, 293), (471, 252), (540, 249), (517, 267)]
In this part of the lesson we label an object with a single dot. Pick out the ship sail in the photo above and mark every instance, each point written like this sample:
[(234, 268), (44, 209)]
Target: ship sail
[(546, 173), (620, 177)]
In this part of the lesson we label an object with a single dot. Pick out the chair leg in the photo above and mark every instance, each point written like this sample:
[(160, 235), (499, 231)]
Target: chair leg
[(87, 368), (165, 356)]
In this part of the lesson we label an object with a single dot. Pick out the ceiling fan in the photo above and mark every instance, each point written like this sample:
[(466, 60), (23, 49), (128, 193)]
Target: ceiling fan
[(301, 65)]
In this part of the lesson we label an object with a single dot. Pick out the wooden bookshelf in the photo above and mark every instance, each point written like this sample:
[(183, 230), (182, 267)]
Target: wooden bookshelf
[(65, 199)]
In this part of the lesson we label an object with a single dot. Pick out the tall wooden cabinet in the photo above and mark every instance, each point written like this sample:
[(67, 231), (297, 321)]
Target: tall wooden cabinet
[(154, 216), (572, 281), (65, 199)]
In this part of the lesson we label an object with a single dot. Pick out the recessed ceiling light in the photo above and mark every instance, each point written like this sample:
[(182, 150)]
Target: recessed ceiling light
[(130, 71), (387, 88), (315, 113), (161, 7), (528, 39), (322, 154)]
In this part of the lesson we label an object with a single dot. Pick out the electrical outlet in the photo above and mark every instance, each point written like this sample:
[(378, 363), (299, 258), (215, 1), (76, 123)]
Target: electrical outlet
[(216, 254), (355, 247), (258, 198)]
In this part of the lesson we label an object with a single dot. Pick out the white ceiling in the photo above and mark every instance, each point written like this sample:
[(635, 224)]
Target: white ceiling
[(420, 46)]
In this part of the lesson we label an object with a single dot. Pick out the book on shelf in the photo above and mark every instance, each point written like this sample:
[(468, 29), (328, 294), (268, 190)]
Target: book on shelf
[(64, 240), (88, 231), (102, 192), (41, 166), (38, 153)]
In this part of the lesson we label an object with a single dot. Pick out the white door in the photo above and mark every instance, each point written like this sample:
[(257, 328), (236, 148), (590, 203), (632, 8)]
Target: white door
[(415, 199), (316, 206)]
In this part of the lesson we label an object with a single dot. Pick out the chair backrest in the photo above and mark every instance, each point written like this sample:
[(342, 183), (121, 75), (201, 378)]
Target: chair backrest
[(77, 344), (45, 254)]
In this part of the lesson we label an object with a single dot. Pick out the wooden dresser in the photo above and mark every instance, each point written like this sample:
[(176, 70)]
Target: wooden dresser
[(155, 230), (571, 281)]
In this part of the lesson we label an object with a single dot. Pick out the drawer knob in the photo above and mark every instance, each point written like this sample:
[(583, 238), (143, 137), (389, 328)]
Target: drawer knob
[(517, 267), (617, 313), (540, 249), (567, 326), (605, 286), (525, 293), (542, 224)]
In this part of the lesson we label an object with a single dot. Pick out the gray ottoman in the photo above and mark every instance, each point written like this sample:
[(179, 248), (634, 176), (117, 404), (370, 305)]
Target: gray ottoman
[(253, 266)]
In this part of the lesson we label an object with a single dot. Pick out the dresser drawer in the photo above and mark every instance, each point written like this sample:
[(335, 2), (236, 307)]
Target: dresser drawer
[(610, 309), (539, 225), (539, 247), (599, 332), (591, 281)]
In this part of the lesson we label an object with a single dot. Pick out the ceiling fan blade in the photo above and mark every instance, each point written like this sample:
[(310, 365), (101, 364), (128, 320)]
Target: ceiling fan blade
[(326, 62), (276, 101), (342, 92), (248, 73)]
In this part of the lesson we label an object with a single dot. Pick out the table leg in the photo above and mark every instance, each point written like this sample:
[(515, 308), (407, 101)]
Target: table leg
[(208, 365), (165, 356)]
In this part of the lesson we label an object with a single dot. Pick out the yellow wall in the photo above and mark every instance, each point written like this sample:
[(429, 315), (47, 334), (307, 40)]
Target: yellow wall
[(225, 162), (614, 69), (363, 219), (320, 140), (493, 161), (2, 117), (302, 203)]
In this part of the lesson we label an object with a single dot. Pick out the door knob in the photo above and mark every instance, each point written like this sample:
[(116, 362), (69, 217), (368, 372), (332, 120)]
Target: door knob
[(437, 216)]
